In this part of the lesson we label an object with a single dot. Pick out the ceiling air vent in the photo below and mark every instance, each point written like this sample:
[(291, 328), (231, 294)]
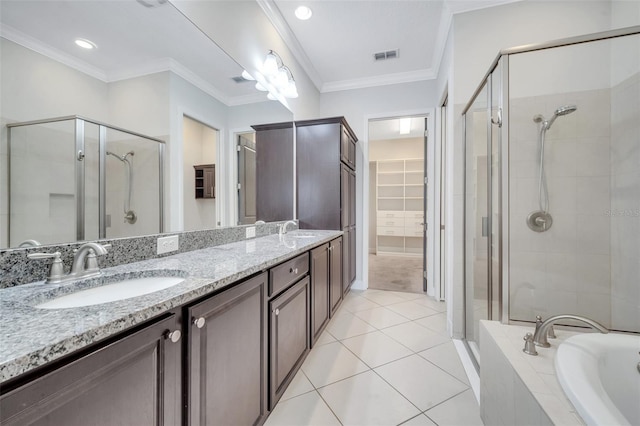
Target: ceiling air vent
[(389, 54)]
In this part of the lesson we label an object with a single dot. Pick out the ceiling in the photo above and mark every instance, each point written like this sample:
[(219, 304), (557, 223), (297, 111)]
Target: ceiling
[(388, 129), (132, 40), (335, 47), (337, 44)]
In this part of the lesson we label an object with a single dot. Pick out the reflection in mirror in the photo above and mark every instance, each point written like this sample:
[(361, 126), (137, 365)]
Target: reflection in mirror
[(150, 68)]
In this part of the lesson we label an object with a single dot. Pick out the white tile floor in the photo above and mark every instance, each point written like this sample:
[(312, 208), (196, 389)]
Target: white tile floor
[(384, 359)]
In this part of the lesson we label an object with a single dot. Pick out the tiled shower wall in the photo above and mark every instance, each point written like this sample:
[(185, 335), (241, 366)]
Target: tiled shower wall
[(567, 268), (625, 204)]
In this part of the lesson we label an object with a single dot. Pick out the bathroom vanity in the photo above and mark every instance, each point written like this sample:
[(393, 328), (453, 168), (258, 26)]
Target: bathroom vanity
[(220, 347)]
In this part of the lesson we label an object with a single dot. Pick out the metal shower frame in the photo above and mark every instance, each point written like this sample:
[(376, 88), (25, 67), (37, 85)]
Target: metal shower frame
[(79, 171), (502, 61)]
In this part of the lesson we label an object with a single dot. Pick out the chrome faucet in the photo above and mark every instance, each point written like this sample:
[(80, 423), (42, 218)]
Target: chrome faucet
[(283, 227), (542, 331), (85, 263)]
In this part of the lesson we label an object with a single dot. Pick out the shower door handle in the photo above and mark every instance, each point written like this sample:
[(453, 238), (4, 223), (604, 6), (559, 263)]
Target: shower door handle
[(485, 226), (498, 121)]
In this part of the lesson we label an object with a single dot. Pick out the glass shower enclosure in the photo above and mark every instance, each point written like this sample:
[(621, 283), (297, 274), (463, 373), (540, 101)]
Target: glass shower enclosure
[(552, 184), (73, 179)]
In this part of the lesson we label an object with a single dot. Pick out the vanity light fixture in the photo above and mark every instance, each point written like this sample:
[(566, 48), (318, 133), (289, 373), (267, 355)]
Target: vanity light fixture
[(303, 13), (274, 77), (405, 126), (85, 44)]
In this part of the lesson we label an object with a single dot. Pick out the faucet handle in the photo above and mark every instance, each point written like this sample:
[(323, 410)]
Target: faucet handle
[(529, 346), (56, 270), (91, 261)]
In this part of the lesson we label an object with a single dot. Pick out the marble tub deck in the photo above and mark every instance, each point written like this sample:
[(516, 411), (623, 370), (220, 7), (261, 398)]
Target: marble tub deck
[(31, 337)]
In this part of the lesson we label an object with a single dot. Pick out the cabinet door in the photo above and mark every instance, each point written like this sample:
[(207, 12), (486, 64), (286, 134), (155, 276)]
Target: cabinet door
[(227, 356), (274, 174), (352, 198), (319, 290), (352, 255), (335, 274), (209, 182), (289, 337), (345, 196), (132, 381), (346, 260), (347, 148)]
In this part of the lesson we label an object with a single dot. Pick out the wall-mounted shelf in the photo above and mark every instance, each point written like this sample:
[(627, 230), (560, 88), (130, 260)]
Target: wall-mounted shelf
[(205, 181)]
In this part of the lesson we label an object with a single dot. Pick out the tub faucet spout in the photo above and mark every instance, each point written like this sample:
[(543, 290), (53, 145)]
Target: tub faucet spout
[(540, 336)]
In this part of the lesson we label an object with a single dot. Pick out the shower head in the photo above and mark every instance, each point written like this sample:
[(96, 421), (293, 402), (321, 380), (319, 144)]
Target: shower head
[(563, 110)]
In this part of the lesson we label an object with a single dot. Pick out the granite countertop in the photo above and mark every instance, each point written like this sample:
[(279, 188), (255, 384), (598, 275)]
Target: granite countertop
[(31, 337)]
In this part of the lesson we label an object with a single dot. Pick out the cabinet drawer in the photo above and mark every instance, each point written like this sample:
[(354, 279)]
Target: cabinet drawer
[(413, 231), (411, 222), (391, 221), (391, 230), (281, 276), (390, 214)]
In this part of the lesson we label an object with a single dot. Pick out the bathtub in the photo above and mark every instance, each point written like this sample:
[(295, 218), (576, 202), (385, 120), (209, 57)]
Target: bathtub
[(599, 374)]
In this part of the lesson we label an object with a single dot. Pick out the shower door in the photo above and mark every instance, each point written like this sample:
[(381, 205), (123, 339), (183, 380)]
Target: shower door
[(483, 123)]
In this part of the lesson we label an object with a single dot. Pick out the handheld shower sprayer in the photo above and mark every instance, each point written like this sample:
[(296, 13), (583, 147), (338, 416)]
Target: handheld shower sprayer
[(541, 220)]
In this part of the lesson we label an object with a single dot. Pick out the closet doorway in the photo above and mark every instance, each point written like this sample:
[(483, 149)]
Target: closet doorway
[(397, 204)]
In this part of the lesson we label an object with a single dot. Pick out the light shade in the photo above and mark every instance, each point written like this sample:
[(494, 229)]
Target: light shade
[(246, 75), (270, 67), (303, 13)]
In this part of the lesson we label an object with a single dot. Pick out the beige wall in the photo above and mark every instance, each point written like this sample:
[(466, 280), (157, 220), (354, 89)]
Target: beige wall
[(199, 147)]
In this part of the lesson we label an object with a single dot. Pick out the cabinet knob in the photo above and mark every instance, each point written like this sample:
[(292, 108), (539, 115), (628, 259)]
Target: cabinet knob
[(293, 270), (198, 322), (277, 312), (174, 335)]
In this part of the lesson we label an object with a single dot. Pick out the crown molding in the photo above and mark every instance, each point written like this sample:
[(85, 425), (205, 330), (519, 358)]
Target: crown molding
[(254, 98), (160, 65), (280, 24), (379, 80), (37, 46)]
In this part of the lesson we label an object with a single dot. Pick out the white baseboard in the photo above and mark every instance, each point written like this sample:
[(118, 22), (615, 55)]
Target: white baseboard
[(469, 368)]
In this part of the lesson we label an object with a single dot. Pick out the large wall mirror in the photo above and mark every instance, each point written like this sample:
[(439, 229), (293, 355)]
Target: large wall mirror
[(156, 107)]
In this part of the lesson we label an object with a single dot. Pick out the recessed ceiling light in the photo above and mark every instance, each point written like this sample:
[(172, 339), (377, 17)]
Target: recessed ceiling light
[(85, 44), (303, 13), (405, 126)]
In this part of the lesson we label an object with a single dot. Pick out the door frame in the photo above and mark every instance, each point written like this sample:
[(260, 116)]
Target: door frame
[(176, 180), (362, 200)]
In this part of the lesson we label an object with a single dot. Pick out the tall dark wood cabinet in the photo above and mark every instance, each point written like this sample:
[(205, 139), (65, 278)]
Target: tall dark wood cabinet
[(326, 183), (135, 380), (274, 171), (227, 349)]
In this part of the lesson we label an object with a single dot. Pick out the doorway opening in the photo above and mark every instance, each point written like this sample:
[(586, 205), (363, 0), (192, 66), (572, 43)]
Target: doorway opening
[(199, 151), (397, 204)]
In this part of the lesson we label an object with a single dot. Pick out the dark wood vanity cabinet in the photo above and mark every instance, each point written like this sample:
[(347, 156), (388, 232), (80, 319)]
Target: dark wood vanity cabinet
[(135, 380), (227, 356), (335, 274), (320, 276), (289, 339), (274, 171), (326, 182)]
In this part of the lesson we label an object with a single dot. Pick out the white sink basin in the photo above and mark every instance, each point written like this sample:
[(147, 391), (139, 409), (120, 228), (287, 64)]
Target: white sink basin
[(111, 292)]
